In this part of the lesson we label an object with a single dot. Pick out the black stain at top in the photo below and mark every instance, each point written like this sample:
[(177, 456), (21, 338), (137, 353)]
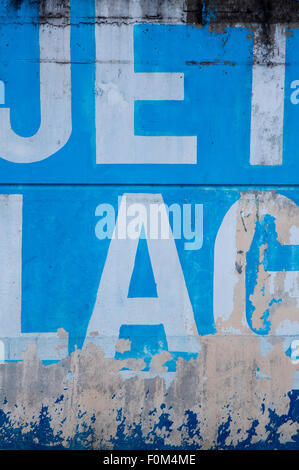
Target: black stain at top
[(242, 11), (16, 4)]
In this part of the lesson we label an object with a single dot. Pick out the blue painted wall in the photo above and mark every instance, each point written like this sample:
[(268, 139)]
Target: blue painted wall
[(63, 260)]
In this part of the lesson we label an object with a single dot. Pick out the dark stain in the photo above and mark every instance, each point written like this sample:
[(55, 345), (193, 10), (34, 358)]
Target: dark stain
[(195, 11), (121, 11), (242, 11), (208, 63), (198, 12), (47, 8), (238, 267), (16, 4), (54, 9)]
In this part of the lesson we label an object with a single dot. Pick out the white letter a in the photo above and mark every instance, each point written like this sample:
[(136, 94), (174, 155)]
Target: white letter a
[(172, 307)]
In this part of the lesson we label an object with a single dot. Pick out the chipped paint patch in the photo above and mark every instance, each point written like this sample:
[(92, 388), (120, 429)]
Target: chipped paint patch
[(215, 401)]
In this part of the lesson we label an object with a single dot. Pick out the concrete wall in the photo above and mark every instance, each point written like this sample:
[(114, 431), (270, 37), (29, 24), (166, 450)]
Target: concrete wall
[(149, 224)]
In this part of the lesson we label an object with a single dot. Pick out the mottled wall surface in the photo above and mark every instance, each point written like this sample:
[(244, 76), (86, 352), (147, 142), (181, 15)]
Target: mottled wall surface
[(149, 224)]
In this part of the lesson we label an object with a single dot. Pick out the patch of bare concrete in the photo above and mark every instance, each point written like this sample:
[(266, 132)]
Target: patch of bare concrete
[(221, 384)]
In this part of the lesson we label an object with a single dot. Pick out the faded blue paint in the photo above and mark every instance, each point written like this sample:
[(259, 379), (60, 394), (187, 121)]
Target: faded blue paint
[(143, 282), (220, 115), (146, 341), (63, 260), (276, 257), (13, 436), (67, 246)]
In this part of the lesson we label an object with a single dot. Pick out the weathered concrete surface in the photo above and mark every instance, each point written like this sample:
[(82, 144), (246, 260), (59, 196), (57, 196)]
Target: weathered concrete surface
[(231, 396), (239, 11), (241, 389)]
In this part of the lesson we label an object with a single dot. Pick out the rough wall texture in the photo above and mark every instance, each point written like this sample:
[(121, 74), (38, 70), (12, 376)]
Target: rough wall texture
[(183, 341), (249, 11)]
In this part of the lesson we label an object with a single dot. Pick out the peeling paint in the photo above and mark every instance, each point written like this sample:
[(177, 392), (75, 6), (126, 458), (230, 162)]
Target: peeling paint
[(232, 408), (142, 343)]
